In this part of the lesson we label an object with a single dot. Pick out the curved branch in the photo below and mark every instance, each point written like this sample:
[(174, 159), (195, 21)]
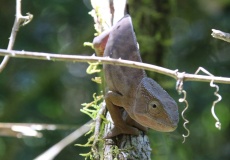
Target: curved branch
[(76, 58)]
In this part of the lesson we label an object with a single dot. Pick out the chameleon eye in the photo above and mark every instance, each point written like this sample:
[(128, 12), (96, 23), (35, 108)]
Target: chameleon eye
[(154, 108), (153, 105)]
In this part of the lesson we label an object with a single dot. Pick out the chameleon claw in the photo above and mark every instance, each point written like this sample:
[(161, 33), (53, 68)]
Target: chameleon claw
[(117, 131)]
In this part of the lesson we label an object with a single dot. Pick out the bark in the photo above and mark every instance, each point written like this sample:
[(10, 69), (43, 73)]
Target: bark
[(126, 147)]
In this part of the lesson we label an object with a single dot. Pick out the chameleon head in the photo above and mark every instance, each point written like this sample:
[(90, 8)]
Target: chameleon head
[(154, 107)]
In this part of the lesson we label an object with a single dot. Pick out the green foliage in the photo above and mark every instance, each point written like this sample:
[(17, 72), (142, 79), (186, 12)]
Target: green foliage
[(92, 108)]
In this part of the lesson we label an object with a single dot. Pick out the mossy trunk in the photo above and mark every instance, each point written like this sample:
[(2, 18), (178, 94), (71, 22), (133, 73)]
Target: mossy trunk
[(126, 147)]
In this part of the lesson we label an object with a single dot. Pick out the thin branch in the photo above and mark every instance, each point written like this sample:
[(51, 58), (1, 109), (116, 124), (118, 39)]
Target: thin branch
[(20, 130), (19, 20), (75, 58), (98, 121), (57, 148), (221, 35), (38, 126)]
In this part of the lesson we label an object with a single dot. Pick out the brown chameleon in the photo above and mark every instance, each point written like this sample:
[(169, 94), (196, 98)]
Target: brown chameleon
[(148, 105)]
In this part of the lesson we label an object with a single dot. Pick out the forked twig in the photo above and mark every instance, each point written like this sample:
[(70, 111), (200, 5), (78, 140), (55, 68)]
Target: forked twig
[(19, 21)]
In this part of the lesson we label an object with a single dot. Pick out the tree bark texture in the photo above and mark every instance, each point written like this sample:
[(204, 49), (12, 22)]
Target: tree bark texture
[(126, 147)]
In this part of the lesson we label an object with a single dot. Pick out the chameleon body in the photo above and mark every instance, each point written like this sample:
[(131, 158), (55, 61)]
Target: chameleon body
[(148, 105)]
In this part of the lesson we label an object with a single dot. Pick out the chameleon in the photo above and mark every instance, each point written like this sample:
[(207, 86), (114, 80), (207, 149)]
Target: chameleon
[(146, 103)]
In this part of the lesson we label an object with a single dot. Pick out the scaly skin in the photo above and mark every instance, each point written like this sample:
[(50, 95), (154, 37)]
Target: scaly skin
[(148, 105)]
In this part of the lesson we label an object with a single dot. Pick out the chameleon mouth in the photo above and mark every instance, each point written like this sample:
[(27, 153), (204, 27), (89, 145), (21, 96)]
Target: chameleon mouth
[(162, 125), (167, 125)]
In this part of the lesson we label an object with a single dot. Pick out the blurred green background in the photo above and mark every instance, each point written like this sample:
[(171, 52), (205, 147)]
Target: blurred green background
[(171, 33)]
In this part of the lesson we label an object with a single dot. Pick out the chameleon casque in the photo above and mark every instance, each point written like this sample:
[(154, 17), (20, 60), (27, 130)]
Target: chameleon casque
[(148, 105)]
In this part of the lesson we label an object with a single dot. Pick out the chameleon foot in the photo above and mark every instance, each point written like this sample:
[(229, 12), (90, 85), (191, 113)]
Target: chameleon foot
[(117, 131)]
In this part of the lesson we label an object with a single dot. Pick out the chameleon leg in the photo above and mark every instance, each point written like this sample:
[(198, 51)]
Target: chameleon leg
[(120, 127)]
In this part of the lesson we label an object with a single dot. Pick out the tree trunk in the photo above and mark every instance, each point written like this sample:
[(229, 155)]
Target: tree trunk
[(126, 147), (122, 147)]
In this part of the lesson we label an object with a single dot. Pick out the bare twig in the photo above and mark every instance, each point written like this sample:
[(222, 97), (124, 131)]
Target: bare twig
[(55, 149), (95, 148), (107, 60), (38, 126), (19, 20), (221, 35)]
